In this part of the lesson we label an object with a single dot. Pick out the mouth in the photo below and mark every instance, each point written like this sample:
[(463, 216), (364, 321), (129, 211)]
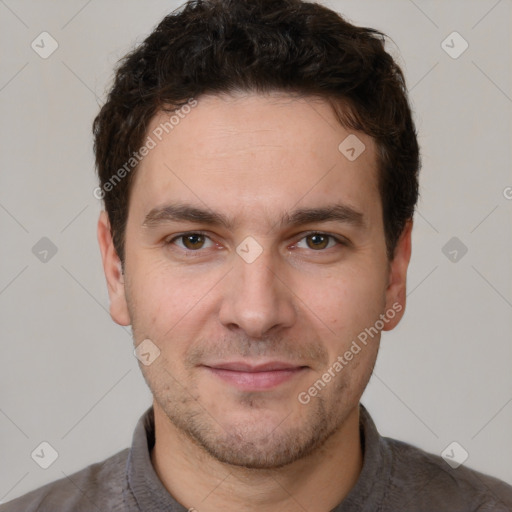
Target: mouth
[(258, 377)]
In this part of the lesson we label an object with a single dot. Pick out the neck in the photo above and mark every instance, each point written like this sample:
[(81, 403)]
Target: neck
[(318, 482)]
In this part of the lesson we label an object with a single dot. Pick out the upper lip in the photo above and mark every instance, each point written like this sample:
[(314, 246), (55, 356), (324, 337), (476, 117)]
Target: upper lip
[(239, 366)]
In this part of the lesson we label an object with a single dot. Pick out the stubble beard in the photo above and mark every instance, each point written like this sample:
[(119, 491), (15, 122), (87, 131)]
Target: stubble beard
[(248, 444)]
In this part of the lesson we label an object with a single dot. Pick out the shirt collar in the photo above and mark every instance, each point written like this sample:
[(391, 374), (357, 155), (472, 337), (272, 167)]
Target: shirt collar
[(147, 489), (368, 493)]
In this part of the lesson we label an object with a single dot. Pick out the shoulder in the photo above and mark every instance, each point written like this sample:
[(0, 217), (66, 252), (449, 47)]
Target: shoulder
[(432, 484), (96, 487)]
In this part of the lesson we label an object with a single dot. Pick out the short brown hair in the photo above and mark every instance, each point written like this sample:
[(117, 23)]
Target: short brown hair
[(222, 46)]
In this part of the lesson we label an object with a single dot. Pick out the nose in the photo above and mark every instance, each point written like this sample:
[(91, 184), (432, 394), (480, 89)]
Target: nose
[(256, 298)]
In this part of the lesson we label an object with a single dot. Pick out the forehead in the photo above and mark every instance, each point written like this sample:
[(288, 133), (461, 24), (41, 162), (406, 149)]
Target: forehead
[(253, 154)]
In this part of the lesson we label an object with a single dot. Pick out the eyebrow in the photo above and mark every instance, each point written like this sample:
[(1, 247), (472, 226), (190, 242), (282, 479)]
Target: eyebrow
[(336, 212), (182, 212)]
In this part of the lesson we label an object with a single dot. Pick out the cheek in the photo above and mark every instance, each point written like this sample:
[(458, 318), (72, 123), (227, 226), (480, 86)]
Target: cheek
[(161, 293), (345, 302), (153, 303), (170, 307)]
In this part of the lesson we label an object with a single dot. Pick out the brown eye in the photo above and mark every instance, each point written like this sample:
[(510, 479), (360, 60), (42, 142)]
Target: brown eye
[(188, 243), (317, 241), (191, 241)]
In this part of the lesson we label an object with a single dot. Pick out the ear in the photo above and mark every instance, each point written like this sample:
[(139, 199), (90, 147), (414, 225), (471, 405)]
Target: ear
[(396, 290), (113, 272)]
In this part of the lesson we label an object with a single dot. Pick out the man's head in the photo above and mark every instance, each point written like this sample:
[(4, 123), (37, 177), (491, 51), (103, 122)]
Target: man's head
[(264, 231)]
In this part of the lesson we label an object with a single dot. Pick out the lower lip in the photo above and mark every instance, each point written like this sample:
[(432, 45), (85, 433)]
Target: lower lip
[(256, 381)]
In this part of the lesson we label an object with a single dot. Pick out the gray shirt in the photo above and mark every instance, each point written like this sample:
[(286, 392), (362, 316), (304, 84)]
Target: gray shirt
[(395, 477)]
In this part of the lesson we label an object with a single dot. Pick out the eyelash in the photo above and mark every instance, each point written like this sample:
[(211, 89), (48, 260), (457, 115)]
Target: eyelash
[(339, 241)]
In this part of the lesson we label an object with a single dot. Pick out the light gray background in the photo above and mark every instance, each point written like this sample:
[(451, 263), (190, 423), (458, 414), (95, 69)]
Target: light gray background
[(67, 372)]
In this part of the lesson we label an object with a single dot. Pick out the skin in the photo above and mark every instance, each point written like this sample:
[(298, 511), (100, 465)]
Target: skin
[(254, 158)]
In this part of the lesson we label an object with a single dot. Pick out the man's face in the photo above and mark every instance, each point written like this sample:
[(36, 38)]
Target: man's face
[(251, 301)]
